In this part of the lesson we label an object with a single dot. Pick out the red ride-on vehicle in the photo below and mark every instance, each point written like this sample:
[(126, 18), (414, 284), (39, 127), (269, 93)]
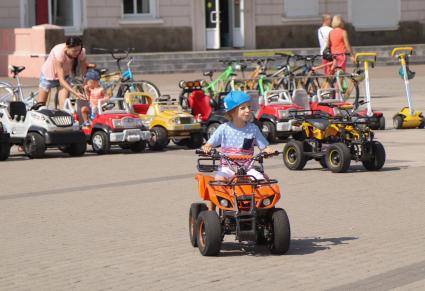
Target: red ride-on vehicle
[(275, 111), (112, 126), (207, 110), (244, 206)]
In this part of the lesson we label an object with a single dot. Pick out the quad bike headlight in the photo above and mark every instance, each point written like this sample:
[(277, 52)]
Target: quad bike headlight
[(267, 201), (224, 202)]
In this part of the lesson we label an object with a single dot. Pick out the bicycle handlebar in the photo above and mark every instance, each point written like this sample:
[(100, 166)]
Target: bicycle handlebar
[(114, 52), (215, 154)]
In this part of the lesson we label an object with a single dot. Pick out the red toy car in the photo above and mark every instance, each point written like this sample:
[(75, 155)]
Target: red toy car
[(113, 127)]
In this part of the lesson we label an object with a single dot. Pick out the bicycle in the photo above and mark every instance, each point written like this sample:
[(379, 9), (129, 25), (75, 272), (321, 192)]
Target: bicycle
[(10, 92), (124, 80)]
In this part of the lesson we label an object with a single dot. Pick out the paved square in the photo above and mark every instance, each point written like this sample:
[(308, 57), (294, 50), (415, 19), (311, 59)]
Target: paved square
[(119, 221)]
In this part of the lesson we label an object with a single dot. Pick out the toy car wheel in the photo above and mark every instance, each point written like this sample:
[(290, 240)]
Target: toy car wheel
[(398, 122), (281, 238), (180, 142), (77, 149), (422, 124), (211, 129), (299, 135), (159, 138), (34, 145), (338, 158), (269, 131), (382, 123), (124, 146), (4, 151), (208, 233), (194, 211), (138, 147), (377, 160), (322, 162), (196, 140), (100, 142), (293, 155)]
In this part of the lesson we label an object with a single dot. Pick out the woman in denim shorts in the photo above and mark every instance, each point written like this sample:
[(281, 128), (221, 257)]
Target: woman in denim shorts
[(57, 70)]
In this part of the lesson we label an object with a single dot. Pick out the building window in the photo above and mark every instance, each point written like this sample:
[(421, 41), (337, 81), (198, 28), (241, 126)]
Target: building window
[(374, 15), (300, 8), (138, 7)]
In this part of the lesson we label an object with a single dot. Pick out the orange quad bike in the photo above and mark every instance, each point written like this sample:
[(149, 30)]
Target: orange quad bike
[(243, 206)]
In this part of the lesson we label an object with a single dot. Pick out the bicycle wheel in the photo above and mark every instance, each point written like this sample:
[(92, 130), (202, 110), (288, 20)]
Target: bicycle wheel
[(313, 84), (346, 86), (7, 93), (140, 86)]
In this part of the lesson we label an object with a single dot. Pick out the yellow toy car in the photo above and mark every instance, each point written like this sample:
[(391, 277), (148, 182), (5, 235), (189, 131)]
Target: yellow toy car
[(166, 119)]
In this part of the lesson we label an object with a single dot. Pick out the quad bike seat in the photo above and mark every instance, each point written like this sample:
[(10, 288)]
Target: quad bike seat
[(17, 110), (200, 104), (321, 124)]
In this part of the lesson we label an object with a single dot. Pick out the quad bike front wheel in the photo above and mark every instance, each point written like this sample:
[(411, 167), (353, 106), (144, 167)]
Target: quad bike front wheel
[(281, 232), (378, 156), (194, 211), (338, 158), (34, 145), (208, 234), (159, 138), (293, 155), (100, 142)]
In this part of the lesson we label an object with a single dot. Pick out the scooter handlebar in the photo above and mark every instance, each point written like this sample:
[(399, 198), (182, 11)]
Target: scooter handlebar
[(402, 51)]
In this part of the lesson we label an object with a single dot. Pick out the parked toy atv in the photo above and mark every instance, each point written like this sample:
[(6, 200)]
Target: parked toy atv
[(209, 111), (274, 111), (4, 144), (246, 207), (166, 119), (334, 143), (112, 126), (40, 128)]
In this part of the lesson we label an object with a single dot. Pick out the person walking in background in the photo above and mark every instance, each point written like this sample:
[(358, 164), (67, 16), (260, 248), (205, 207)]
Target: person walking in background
[(323, 35), (339, 44)]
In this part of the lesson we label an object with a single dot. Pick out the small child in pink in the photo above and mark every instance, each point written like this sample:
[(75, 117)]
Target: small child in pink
[(94, 93)]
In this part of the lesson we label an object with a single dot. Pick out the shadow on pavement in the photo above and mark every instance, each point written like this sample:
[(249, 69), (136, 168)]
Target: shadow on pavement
[(302, 246), (306, 246)]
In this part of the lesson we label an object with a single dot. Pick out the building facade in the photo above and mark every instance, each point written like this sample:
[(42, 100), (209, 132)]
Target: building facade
[(197, 25)]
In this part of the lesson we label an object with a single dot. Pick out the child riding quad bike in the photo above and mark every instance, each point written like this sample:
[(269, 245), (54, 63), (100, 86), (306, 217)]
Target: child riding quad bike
[(166, 120), (334, 143), (246, 206)]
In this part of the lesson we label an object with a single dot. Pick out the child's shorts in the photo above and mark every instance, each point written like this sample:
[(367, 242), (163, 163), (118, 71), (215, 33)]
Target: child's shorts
[(227, 173)]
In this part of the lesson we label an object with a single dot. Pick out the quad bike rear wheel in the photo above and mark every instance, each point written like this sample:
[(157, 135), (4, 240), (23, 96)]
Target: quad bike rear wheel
[(338, 158), (208, 234), (281, 232), (34, 145), (194, 211), (293, 155), (100, 142), (382, 123), (377, 160)]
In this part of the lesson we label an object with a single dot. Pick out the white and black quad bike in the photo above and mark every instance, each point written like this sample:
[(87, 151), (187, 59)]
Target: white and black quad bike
[(40, 128)]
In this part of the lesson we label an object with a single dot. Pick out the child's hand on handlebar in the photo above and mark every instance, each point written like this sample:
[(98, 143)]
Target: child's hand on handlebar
[(207, 148), (268, 150)]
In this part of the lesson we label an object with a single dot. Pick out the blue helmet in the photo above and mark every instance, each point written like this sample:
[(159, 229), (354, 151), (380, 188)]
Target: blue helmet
[(92, 75), (234, 99)]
